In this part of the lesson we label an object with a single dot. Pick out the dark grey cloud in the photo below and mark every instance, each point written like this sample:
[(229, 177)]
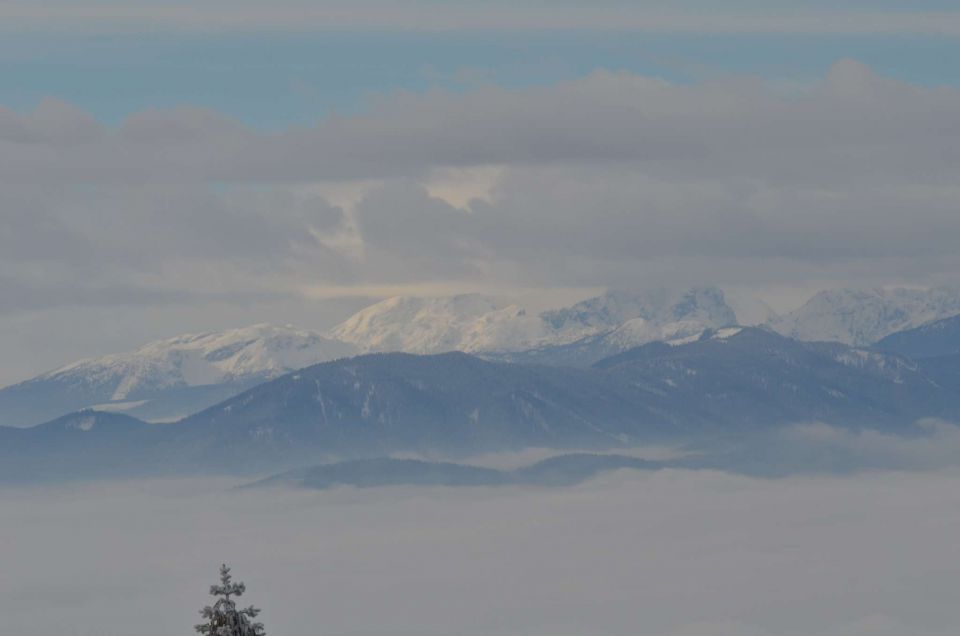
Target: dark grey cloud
[(154, 236), (17, 296), (617, 226)]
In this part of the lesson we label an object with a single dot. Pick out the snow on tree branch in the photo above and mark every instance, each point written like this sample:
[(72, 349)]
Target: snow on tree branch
[(223, 618)]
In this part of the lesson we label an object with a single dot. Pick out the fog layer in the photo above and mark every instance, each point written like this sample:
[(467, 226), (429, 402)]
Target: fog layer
[(665, 553)]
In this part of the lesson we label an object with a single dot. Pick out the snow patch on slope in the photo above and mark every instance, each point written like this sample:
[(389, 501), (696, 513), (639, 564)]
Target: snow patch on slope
[(84, 424), (726, 332), (638, 331)]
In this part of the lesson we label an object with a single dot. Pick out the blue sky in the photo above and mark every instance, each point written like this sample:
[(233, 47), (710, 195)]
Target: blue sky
[(272, 77)]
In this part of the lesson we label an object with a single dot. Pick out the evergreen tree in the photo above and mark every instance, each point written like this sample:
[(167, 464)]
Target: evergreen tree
[(223, 618)]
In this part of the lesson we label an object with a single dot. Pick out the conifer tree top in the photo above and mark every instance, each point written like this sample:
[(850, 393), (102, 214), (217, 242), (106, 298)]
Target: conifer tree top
[(227, 588), (223, 618)]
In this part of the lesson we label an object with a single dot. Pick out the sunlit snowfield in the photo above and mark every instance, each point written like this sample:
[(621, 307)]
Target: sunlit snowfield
[(661, 553)]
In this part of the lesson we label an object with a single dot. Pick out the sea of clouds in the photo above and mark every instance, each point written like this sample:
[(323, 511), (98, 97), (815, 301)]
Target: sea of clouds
[(661, 553)]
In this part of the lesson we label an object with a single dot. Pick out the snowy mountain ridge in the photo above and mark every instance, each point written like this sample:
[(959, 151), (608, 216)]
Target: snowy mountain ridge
[(466, 322), (706, 305), (170, 378), (235, 355), (480, 324), (728, 384), (167, 379), (863, 317)]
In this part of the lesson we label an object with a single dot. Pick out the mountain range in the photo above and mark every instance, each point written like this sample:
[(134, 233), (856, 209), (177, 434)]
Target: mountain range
[(168, 379), (862, 317), (475, 323), (728, 383), (165, 380)]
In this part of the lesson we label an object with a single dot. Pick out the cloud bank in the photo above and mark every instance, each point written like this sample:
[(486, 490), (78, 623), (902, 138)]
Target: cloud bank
[(672, 553), (614, 179), (590, 182)]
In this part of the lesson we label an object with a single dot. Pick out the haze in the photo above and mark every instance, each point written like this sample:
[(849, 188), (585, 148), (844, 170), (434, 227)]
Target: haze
[(671, 553)]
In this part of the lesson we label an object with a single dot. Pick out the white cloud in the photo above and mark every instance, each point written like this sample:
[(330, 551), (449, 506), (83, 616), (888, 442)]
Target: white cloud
[(460, 186)]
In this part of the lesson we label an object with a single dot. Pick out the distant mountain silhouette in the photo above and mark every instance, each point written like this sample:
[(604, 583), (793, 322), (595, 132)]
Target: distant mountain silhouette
[(563, 470)]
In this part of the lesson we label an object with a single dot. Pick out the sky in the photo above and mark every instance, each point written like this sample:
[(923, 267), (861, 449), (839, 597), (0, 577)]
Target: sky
[(168, 167)]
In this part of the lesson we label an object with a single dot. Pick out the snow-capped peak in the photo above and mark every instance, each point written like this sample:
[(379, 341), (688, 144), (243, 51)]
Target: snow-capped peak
[(476, 323), (468, 322), (259, 351), (862, 317), (705, 305)]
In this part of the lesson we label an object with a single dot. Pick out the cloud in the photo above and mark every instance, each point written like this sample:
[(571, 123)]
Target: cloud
[(859, 127), (588, 182), (672, 553), (742, 17), (613, 179), (932, 444), (822, 448)]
